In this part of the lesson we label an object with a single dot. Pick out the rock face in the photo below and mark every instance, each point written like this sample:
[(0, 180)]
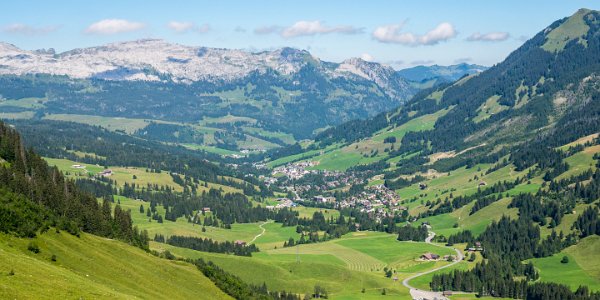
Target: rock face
[(158, 60)]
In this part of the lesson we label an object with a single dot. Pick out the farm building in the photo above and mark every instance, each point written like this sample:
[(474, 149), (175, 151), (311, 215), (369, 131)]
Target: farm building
[(429, 256), (106, 173)]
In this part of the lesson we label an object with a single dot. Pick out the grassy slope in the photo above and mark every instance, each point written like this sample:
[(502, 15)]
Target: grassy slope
[(354, 154), (342, 266), (582, 269), (125, 174), (95, 268)]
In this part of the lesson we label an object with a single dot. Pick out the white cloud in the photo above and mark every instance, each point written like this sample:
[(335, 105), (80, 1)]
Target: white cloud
[(113, 26), (24, 29), (183, 27), (393, 34), (306, 28), (239, 29), (180, 26), (367, 57), (488, 37)]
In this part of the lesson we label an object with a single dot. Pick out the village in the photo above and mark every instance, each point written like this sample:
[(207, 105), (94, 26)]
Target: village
[(310, 187)]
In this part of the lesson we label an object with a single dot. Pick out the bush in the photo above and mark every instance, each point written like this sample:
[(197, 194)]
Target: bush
[(564, 260), (33, 247), (53, 257)]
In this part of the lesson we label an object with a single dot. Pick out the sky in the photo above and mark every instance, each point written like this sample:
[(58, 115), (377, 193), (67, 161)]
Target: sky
[(397, 33)]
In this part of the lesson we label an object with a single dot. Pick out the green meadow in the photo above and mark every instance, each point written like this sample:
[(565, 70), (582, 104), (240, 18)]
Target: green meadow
[(581, 269), (342, 266), (91, 267)]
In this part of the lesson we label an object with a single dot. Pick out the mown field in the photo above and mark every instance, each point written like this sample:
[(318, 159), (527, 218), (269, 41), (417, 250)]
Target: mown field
[(91, 267), (582, 268), (343, 267)]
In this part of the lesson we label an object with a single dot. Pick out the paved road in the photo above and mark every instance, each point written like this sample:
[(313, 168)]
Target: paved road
[(422, 294), (263, 231)]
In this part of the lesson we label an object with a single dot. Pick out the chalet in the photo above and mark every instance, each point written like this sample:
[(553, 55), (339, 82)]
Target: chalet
[(477, 247), (206, 209), (429, 256), (482, 183), (447, 293), (78, 167), (240, 243), (106, 173)]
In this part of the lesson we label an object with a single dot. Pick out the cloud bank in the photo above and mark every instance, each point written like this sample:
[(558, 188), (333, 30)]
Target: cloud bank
[(488, 37), (24, 29), (393, 34), (114, 26), (183, 27)]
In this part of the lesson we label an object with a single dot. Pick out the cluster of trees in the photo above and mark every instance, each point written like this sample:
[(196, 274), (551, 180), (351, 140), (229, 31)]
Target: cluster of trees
[(171, 133), (587, 223), (112, 148), (410, 233), (507, 243), (209, 245), (35, 196)]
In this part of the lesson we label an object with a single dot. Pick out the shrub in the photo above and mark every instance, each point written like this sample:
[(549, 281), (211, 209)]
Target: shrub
[(33, 247)]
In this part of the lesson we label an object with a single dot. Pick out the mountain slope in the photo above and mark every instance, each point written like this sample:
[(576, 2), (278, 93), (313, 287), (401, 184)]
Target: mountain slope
[(285, 91), (549, 97)]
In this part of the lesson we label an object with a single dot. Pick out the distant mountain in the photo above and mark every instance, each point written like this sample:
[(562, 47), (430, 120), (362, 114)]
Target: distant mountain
[(440, 73), (285, 90), (158, 60)]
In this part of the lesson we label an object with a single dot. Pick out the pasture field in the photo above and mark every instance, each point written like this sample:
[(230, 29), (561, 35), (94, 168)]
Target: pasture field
[(124, 175), (91, 267), (581, 269), (245, 232), (444, 224), (111, 123), (372, 149), (342, 266)]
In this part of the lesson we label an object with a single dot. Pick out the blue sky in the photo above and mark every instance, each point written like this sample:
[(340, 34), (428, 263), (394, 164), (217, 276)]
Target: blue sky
[(398, 33)]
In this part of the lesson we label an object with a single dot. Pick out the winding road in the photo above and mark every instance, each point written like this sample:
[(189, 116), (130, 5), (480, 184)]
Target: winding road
[(263, 231), (422, 294)]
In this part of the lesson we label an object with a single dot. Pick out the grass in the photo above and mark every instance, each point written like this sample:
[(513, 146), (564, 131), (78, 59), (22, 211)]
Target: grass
[(307, 212), (181, 226), (573, 28), (95, 268), (373, 149), (342, 266), (211, 149), (489, 108), (121, 175), (30, 103), (581, 162), (124, 175), (110, 123), (582, 268)]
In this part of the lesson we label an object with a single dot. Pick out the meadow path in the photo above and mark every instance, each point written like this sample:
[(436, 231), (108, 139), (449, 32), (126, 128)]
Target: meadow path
[(260, 234), (422, 294)]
